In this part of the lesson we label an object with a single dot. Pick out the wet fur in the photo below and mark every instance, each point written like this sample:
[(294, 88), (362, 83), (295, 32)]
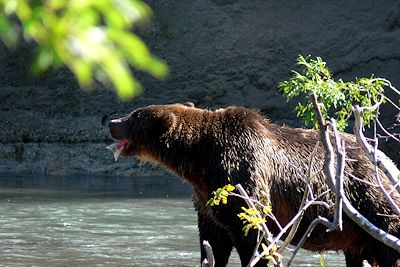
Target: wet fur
[(210, 149)]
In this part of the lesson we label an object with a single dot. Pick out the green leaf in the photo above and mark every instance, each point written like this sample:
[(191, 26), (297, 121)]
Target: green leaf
[(337, 96), (267, 209), (229, 188), (321, 260), (83, 71), (116, 19), (137, 53), (43, 59), (221, 195)]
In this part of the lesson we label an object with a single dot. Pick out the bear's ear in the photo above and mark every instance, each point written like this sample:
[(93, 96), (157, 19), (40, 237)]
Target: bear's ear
[(189, 104), (169, 120)]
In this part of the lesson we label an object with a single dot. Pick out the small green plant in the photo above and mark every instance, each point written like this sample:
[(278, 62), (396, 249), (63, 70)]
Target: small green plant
[(253, 218), (338, 97), (221, 195), (271, 254), (321, 260)]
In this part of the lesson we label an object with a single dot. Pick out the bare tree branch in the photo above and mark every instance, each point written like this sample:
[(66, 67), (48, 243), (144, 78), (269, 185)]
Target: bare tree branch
[(209, 261), (383, 162), (378, 177), (335, 184), (377, 233), (387, 132), (315, 222), (341, 157), (267, 234), (307, 191), (348, 208)]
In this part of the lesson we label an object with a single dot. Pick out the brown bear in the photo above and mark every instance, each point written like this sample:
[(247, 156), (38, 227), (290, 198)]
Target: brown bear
[(210, 149)]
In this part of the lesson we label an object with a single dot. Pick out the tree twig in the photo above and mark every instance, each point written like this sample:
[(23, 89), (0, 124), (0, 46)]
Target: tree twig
[(209, 261), (307, 190), (383, 162), (315, 222), (386, 131), (267, 234), (348, 208), (335, 184), (378, 177)]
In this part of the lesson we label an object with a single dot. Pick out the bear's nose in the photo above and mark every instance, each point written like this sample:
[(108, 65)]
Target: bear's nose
[(119, 128), (112, 123)]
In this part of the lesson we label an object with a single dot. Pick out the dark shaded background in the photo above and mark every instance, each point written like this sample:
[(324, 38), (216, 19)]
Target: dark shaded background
[(220, 53)]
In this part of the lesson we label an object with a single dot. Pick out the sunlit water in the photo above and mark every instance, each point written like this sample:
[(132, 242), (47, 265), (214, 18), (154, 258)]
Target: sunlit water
[(103, 221)]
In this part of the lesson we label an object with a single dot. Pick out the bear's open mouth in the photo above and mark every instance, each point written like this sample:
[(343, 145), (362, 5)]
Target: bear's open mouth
[(117, 148), (122, 144)]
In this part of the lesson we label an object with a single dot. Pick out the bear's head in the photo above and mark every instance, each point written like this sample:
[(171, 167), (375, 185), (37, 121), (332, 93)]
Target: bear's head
[(144, 128)]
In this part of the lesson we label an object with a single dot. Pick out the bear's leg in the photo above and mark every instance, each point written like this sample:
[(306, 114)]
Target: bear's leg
[(218, 238), (355, 257), (375, 253), (245, 246), (386, 256)]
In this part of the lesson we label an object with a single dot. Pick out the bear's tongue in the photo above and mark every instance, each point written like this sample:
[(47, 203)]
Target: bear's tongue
[(122, 143), (117, 148)]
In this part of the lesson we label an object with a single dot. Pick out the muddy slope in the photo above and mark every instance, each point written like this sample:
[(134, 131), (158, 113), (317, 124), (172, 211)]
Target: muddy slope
[(220, 53)]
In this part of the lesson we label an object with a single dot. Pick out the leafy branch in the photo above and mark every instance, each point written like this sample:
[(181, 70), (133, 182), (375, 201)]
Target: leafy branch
[(252, 218), (338, 96), (92, 38), (221, 195)]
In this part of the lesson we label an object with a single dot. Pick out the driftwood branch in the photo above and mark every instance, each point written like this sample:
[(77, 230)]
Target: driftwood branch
[(334, 177), (348, 208), (393, 136), (335, 183), (378, 177), (379, 158), (315, 222), (209, 261)]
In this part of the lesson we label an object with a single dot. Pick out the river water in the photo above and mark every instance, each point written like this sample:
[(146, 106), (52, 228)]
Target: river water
[(104, 221)]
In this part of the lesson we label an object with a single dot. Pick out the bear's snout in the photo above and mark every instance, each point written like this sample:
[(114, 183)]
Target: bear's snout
[(119, 128), (113, 123)]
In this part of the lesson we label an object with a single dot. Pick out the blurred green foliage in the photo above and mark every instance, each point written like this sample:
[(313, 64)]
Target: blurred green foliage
[(93, 38), (338, 97)]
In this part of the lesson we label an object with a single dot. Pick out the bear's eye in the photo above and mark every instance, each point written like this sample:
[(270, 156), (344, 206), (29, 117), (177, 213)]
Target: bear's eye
[(135, 114)]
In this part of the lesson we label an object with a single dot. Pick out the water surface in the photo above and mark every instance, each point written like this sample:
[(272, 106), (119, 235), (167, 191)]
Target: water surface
[(103, 221)]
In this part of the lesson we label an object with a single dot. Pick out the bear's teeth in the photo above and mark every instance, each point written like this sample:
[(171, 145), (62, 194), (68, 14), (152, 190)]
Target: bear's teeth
[(116, 150)]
